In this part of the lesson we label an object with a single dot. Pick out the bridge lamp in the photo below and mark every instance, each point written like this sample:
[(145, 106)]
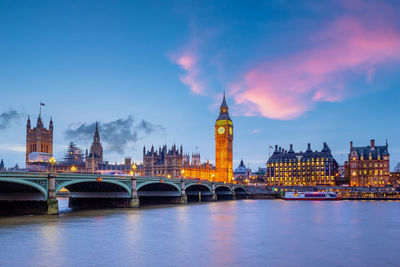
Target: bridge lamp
[(168, 176), (182, 172), (52, 161), (212, 177), (134, 169)]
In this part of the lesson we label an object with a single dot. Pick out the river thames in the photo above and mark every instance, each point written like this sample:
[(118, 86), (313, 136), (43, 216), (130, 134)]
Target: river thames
[(233, 233)]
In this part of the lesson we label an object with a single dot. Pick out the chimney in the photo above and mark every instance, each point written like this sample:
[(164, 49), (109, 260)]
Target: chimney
[(276, 147), (372, 143), (291, 146), (351, 145)]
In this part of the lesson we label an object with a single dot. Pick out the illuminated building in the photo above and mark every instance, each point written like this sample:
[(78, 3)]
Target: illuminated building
[(95, 156), (394, 178), (197, 170), (38, 139), (173, 163), (309, 168), (223, 145), (369, 165), (164, 162), (241, 173)]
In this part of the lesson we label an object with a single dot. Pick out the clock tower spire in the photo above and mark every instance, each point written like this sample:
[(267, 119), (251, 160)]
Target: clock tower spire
[(223, 144)]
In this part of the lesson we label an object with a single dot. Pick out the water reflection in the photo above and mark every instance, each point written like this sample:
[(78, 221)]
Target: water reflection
[(247, 232)]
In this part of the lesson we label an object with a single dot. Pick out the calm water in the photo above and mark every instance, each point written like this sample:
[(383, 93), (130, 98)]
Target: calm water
[(246, 232)]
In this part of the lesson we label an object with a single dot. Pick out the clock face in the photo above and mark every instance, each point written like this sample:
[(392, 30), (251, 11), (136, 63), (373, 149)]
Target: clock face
[(230, 130), (221, 130)]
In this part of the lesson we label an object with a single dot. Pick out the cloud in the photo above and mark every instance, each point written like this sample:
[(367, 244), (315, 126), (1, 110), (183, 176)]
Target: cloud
[(288, 87), (188, 61), (13, 147), (370, 75), (117, 135), (255, 131), (6, 118)]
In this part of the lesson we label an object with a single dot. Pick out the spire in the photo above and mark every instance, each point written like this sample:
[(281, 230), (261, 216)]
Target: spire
[(223, 104), (39, 122), (28, 122), (96, 133), (51, 124), (223, 110)]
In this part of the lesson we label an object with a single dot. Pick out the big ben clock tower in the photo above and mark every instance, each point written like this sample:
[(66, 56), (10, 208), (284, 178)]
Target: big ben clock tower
[(223, 145)]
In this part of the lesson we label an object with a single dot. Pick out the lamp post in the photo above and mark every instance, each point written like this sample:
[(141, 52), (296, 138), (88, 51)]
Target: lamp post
[(52, 161), (73, 169), (134, 169), (212, 177), (183, 173)]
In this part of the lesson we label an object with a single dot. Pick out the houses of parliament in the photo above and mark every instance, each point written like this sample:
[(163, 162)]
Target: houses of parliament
[(174, 163), (164, 162)]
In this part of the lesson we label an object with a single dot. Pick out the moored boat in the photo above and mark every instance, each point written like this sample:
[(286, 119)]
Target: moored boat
[(311, 196)]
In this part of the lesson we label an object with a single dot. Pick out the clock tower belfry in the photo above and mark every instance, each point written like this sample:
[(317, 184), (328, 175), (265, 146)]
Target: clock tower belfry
[(223, 145)]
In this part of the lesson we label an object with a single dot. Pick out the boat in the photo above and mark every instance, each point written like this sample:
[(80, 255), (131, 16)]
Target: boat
[(311, 196)]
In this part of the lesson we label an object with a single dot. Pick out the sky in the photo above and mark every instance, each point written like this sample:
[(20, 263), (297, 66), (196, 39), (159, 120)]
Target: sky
[(153, 73)]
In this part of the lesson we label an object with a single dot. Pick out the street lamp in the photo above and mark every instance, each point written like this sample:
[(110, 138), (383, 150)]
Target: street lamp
[(183, 172), (134, 169), (52, 161), (212, 177), (73, 169)]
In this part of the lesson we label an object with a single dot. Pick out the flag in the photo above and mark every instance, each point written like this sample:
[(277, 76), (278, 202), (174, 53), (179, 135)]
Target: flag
[(42, 104)]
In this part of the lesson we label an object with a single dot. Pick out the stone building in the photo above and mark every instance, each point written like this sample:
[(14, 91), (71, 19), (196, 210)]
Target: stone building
[(74, 161), (163, 162), (198, 170), (307, 168), (2, 167), (38, 139), (223, 145), (242, 173), (369, 165), (95, 156)]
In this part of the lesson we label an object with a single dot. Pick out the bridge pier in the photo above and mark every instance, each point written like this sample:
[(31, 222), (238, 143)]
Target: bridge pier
[(214, 195), (183, 198), (134, 202), (52, 202), (233, 194)]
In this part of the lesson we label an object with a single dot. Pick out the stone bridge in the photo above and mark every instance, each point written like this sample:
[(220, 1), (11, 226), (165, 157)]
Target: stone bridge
[(35, 193)]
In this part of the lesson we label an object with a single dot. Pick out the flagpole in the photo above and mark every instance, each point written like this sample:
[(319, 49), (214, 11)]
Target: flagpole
[(40, 108)]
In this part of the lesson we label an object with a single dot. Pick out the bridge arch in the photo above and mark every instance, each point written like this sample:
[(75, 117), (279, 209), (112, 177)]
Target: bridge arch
[(115, 185), (167, 186), (222, 188), (26, 185), (239, 189), (201, 187)]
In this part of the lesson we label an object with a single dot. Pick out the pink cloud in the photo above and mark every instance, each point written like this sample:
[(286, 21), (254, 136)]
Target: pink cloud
[(189, 62), (289, 87), (370, 74)]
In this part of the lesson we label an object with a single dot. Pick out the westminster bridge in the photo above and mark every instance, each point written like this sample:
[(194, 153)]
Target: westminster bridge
[(35, 193)]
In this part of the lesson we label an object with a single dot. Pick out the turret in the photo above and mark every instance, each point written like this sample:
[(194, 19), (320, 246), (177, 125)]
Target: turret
[(308, 148), (51, 124), (39, 123), (28, 123)]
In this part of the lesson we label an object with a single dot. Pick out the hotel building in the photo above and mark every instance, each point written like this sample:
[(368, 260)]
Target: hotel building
[(369, 165), (309, 168)]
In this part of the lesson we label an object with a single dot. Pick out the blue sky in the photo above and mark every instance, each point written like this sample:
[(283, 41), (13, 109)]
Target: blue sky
[(295, 72)]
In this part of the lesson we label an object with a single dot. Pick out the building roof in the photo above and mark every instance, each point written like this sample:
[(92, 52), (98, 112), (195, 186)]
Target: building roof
[(284, 155), (241, 169), (366, 151), (224, 114)]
